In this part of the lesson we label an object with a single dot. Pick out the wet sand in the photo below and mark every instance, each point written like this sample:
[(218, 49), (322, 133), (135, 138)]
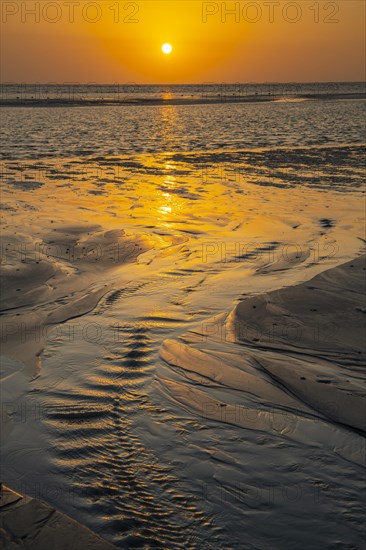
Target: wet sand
[(298, 369), (237, 303), (29, 523)]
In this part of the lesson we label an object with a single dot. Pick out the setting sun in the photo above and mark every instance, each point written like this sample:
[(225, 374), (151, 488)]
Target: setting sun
[(166, 48)]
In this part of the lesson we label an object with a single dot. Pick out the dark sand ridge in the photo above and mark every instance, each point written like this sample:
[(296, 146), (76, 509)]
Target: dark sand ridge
[(220, 98), (27, 523), (304, 384)]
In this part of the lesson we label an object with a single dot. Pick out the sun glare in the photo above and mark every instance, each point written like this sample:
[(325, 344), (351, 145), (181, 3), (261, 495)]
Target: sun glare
[(166, 48)]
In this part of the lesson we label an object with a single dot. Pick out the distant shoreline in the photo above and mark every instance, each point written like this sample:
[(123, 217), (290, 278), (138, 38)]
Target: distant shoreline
[(219, 99)]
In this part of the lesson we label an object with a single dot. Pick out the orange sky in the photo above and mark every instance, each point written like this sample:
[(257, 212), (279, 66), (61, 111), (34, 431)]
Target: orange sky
[(263, 41)]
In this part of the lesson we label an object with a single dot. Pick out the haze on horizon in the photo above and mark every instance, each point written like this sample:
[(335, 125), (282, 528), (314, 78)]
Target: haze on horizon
[(116, 41)]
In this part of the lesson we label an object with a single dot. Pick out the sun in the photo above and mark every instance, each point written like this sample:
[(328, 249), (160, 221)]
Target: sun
[(166, 48)]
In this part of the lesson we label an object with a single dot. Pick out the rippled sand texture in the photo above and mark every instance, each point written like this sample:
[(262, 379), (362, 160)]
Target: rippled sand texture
[(297, 373), (247, 431)]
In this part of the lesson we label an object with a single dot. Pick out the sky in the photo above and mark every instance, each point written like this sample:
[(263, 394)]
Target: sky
[(109, 41)]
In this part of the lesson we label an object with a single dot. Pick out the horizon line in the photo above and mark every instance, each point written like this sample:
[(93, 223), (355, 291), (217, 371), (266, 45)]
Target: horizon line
[(207, 83)]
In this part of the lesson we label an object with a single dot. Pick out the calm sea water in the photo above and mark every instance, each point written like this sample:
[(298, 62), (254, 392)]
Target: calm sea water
[(41, 132)]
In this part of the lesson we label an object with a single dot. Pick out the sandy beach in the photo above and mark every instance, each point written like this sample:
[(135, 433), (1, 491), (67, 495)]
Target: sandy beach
[(203, 356)]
